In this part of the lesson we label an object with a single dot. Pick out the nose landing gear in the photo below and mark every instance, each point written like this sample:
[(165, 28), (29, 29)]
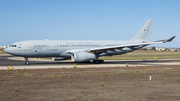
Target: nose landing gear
[(26, 62)]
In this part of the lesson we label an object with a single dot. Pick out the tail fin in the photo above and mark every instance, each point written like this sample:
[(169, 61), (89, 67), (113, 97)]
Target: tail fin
[(145, 32)]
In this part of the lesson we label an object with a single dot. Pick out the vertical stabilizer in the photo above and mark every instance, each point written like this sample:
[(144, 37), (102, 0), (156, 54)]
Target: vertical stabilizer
[(145, 32)]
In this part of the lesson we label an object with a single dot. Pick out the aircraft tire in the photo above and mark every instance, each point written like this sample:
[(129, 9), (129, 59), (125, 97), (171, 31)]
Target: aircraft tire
[(98, 61), (27, 63)]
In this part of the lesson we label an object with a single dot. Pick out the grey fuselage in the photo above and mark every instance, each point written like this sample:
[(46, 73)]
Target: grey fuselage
[(59, 48)]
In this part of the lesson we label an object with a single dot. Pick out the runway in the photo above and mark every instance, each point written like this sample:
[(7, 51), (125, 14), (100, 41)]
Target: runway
[(19, 63)]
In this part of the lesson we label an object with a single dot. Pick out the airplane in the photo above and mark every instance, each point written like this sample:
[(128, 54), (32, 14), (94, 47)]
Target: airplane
[(81, 50)]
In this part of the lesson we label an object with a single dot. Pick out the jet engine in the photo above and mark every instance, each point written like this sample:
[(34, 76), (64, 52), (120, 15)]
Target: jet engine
[(82, 56)]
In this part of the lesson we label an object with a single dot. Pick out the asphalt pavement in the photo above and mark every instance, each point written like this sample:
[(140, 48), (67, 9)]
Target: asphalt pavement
[(19, 63)]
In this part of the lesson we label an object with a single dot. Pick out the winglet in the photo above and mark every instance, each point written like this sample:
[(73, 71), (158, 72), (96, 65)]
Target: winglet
[(169, 40)]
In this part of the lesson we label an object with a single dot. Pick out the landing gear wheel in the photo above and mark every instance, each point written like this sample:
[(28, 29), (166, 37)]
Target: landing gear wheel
[(95, 61), (27, 63), (98, 61), (101, 61)]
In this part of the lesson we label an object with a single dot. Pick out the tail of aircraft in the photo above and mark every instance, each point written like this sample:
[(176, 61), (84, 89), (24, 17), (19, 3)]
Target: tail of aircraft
[(145, 32)]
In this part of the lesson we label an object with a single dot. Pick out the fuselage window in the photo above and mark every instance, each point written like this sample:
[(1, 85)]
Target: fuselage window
[(84, 45), (40, 45), (64, 45)]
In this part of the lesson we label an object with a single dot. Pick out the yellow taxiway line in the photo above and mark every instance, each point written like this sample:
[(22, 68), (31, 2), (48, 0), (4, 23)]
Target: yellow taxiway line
[(10, 67)]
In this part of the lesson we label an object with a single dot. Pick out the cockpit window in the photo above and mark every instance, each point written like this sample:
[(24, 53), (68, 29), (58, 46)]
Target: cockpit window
[(13, 46)]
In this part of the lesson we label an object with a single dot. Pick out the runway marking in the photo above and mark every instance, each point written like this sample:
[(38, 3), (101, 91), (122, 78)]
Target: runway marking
[(155, 57), (85, 66), (10, 67)]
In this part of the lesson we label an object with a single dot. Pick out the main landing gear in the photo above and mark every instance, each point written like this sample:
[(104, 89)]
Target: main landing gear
[(26, 62), (98, 61)]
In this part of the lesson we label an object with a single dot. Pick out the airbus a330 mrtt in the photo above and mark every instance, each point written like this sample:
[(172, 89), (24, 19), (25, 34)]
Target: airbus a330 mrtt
[(83, 51)]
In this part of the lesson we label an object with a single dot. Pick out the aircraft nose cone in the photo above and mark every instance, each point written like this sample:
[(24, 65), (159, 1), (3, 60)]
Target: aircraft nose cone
[(6, 50)]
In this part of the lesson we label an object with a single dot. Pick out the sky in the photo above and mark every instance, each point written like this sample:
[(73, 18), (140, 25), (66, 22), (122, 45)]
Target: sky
[(87, 20)]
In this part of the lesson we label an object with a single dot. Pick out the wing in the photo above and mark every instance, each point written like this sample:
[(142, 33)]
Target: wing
[(118, 47), (126, 47)]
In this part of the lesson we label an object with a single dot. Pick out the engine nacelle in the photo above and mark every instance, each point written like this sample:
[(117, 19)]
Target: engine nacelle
[(82, 56)]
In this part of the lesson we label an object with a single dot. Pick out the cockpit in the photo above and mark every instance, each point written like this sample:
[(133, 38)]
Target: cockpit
[(13, 46), (13, 49)]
